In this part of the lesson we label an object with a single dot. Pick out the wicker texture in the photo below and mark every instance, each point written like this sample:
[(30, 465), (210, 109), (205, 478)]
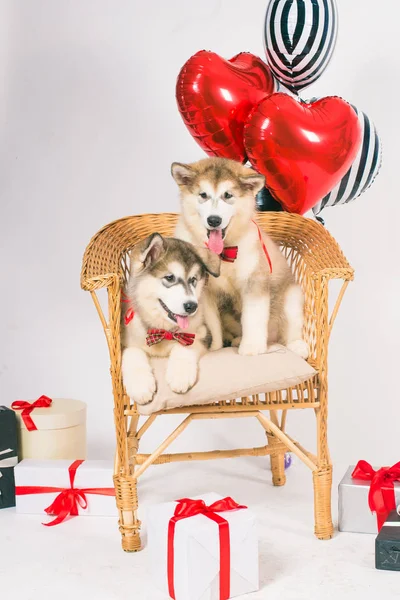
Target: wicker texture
[(315, 259)]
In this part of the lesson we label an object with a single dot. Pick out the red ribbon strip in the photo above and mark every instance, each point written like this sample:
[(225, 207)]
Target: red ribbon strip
[(229, 254), (68, 500), (264, 247), (28, 407), (130, 313), (381, 497), (155, 336), (189, 508)]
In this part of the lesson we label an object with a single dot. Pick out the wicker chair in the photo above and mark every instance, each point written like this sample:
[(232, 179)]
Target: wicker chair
[(315, 258)]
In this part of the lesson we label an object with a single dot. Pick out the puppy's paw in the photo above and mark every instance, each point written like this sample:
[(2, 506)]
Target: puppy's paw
[(216, 344), (181, 374), (236, 342), (252, 347), (140, 386), (299, 347)]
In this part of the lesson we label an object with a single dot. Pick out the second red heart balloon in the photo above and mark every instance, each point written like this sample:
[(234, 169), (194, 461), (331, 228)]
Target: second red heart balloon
[(302, 149), (215, 97)]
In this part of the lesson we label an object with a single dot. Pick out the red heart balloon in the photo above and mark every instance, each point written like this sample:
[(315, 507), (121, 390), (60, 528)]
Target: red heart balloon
[(215, 97), (303, 150)]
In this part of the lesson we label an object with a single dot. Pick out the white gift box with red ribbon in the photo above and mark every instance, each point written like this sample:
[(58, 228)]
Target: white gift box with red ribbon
[(81, 487), (196, 552)]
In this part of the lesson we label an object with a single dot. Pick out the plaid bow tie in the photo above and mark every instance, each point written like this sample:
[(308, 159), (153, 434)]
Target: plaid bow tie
[(155, 336), (229, 254)]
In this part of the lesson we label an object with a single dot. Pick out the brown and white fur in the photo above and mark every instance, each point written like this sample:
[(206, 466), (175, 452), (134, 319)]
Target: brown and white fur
[(166, 282), (256, 308)]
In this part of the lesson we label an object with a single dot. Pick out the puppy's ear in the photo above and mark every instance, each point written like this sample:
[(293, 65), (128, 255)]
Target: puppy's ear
[(183, 174), (148, 252), (210, 261), (252, 183)]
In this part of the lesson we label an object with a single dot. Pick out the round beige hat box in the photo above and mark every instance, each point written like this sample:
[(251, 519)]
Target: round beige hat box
[(60, 433)]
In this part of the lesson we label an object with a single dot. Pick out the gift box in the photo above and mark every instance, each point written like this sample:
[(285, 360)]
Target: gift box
[(51, 428), (355, 512), (8, 456), (62, 488), (203, 549), (387, 544)]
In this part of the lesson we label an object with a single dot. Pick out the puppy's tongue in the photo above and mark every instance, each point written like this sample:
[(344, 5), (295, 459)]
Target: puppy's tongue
[(183, 322), (215, 241)]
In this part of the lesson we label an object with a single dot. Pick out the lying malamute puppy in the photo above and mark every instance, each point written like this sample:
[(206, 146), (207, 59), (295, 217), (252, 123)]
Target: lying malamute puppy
[(256, 293), (166, 314)]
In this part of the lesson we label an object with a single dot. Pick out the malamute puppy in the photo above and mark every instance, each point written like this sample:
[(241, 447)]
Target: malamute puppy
[(164, 290), (257, 296)]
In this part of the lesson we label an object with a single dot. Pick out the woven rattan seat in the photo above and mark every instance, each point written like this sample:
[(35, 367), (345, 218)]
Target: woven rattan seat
[(315, 258)]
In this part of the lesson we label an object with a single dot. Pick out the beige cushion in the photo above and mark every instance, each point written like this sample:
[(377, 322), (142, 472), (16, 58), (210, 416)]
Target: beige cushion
[(225, 375)]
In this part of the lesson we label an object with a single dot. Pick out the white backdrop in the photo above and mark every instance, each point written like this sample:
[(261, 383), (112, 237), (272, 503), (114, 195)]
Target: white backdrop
[(89, 127)]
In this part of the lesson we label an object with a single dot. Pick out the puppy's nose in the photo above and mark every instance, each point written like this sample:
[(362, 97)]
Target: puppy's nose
[(190, 307), (214, 221)]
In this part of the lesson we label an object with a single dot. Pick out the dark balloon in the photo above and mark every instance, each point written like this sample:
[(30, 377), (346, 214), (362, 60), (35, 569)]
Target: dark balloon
[(266, 202), (362, 172), (215, 97), (300, 37), (302, 149)]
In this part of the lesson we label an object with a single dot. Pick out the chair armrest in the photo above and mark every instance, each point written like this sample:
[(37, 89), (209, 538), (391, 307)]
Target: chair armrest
[(323, 256)]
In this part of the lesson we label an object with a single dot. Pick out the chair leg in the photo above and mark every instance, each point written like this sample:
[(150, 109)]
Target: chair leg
[(277, 458), (127, 503), (322, 479)]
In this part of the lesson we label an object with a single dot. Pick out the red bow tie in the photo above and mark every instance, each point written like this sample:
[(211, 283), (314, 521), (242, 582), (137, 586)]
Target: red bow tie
[(229, 254), (155, 336)]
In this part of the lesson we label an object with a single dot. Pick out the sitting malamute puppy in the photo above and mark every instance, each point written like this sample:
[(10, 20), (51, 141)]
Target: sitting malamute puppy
[(257, 296), (167, 317)]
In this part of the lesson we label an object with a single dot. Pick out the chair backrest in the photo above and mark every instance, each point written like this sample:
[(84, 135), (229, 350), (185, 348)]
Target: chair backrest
[(298, 237), (108, 250)]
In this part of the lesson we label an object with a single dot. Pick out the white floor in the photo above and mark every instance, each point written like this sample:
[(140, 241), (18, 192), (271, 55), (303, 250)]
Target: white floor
[(82, 558)]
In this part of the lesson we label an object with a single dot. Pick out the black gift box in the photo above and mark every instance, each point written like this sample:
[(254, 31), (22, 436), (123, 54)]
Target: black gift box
[(387, 544), (8, 456), (7, 487)]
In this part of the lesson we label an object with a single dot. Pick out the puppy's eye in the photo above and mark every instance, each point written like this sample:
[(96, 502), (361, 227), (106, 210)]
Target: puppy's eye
[(170, 278), (193, 281), (227, 196), (203, 195)]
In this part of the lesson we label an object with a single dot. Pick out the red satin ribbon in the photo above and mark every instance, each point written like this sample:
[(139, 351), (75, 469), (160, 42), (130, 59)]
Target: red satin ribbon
[(28, 407), (264, 247), (68, 500), (381, 497), (130, 313), (189, 508)]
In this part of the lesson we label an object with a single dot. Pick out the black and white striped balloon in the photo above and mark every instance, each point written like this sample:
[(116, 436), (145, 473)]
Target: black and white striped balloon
[(362, 172), (300, 37)]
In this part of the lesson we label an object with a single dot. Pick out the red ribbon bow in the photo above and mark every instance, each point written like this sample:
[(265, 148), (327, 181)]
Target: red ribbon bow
[(229, 254), (381, 497), (189, 508), (28, 407), (155, 336), (68, 500)]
